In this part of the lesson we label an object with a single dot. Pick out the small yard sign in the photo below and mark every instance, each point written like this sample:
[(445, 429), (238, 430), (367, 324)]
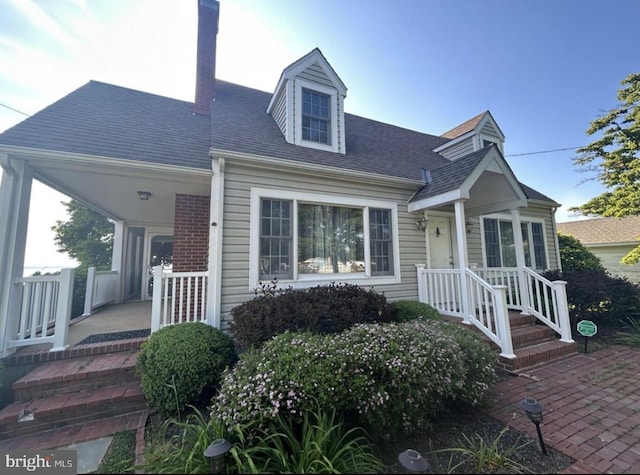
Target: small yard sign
[(586, 328)]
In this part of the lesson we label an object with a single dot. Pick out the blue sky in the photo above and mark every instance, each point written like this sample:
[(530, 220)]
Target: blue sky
[(545, 69)]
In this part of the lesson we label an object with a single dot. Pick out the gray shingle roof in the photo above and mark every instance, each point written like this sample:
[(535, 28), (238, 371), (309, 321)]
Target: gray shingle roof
[(104, 120), (603, 230)]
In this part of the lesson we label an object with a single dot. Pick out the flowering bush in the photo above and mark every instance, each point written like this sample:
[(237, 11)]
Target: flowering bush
[(391, 377)]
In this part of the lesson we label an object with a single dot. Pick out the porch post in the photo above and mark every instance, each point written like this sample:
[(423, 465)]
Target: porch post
[(214, 286), (117, 257), (463, 259), (15, 195), (520, 260)]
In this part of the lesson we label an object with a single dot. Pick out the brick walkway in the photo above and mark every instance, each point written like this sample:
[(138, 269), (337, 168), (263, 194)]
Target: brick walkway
[(592, 408)]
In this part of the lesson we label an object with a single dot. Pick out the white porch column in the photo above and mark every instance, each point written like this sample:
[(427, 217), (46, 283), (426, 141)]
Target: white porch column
[(15, 194), (463, 258), (214, 286), (117, 257), (520, 260)]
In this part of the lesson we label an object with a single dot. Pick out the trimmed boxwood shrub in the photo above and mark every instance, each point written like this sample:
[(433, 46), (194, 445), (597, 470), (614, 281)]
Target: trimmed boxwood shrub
[(323, 309), (405, 310), (183, 364), (391, 378)]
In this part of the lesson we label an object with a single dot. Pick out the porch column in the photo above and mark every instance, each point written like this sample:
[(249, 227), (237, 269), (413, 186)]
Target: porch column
[(15, 195), (520, 260), (117, 257), (214, 286), (463, 258)]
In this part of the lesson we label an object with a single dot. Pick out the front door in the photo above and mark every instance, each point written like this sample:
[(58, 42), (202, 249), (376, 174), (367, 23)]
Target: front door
[(440, 244), (160, 253)]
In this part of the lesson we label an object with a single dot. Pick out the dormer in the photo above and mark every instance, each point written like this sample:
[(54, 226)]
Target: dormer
[(472, 135), (308, 104)]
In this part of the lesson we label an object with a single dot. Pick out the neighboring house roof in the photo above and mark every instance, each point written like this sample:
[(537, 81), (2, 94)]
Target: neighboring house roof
[(603, 230), (104, 120)]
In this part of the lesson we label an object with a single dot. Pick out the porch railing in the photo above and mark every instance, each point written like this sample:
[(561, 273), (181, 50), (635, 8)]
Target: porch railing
[(491, 293), (102, 288), (44, 310), (178, 297)]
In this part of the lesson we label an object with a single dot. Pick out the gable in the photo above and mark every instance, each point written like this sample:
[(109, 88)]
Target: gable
[(472, 135)]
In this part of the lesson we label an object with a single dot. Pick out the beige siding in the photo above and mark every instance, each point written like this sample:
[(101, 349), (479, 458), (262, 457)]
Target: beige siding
[(458, 150), (314, 73), (279, 112), (611, 256), (238, 183)]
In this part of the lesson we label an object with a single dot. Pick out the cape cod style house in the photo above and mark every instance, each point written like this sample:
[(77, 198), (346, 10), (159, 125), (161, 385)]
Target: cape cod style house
[(244, 186)]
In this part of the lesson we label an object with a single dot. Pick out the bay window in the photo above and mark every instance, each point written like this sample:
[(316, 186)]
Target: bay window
[(304, 237), (499, 243)]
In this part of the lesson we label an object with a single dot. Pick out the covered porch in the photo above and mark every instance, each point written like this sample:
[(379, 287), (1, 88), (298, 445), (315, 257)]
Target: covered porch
[(451, 206)]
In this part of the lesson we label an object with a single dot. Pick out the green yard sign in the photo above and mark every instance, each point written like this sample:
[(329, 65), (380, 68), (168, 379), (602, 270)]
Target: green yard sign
[(587, 328)]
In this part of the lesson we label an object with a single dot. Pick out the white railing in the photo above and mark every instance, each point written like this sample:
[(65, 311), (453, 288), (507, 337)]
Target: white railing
[(507, 276), (44, 310), (441, 289), (488, 307), (548, 303), (102, 288), (178, 297)]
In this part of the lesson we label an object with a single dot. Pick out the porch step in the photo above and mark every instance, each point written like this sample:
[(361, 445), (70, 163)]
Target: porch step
[(522, 336), (72, 391), (76, 374), (536, 354)]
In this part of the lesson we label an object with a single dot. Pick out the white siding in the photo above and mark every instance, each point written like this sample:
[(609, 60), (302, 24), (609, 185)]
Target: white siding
[(238, 183), (279, 112), (314, 73), (458, 150)]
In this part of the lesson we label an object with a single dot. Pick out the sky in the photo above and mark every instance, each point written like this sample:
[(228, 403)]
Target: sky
[(543, 68)]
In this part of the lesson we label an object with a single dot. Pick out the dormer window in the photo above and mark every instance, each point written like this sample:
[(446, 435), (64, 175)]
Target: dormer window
[(316, 125)]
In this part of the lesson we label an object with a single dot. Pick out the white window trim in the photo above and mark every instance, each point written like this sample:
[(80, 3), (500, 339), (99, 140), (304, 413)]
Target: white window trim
[(310, 280), (523, 219), (333, 115)]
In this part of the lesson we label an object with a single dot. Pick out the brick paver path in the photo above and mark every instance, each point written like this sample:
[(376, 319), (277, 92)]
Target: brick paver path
[(592, 408)]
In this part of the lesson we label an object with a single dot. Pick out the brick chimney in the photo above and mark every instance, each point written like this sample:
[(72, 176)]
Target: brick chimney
[(208, 14)]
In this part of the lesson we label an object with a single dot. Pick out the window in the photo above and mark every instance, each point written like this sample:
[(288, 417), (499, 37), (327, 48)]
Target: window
[(315, 117), (499, 243), (302, 238)]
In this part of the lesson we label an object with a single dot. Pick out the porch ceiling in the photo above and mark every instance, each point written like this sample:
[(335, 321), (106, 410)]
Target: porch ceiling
[(111, 188)]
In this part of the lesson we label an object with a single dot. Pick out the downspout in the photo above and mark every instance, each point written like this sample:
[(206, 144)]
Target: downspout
[(216, 207)]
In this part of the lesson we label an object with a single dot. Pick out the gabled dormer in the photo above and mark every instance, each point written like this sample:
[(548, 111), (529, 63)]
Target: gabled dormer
[(470, 136), (308, 104)]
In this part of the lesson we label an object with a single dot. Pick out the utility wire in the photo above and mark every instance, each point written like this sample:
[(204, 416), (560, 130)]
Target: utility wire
[(14, 110), (543, 151)]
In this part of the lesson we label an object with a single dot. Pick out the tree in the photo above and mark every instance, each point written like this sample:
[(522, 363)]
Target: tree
[(87, 236), (575, 256), (615, 156)]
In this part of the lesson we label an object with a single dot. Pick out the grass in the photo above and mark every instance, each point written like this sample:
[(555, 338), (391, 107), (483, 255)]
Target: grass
[(121, 454)]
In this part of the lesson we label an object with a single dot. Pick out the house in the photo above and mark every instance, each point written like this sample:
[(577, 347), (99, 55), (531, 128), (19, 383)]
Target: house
[(609, 239), (244, 186)]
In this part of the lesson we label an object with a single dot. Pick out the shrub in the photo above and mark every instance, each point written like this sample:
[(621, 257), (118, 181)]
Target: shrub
[(183, 364), (593, 295), (391, 377), (405, 310), (322, 309), (575, 256)]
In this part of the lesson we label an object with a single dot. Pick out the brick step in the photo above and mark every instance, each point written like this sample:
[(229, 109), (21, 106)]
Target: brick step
[(76, 374), (528, 335), (516, 319), (29, 417), (532, 355)]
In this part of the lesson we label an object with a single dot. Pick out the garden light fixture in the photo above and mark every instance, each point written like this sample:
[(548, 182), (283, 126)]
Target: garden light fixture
[(217, 452), (534, 409), (412, 461)]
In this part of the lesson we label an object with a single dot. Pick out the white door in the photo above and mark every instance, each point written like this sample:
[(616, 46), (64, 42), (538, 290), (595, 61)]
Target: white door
[(440, 244)]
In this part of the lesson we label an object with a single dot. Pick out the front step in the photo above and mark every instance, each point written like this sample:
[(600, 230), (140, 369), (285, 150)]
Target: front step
[(71, 391), (536, 354)]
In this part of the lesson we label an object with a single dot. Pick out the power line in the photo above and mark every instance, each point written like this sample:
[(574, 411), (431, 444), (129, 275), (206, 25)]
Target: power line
[(14, 110), (543, 151)]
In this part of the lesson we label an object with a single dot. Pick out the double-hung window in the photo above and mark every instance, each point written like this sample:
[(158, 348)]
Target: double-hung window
[(316, 125), (302, 238), (499, 243)]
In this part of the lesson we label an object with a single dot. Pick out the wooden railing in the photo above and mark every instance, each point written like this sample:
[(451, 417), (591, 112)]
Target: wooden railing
[(178, 297), (44, 310), (102, 289)]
